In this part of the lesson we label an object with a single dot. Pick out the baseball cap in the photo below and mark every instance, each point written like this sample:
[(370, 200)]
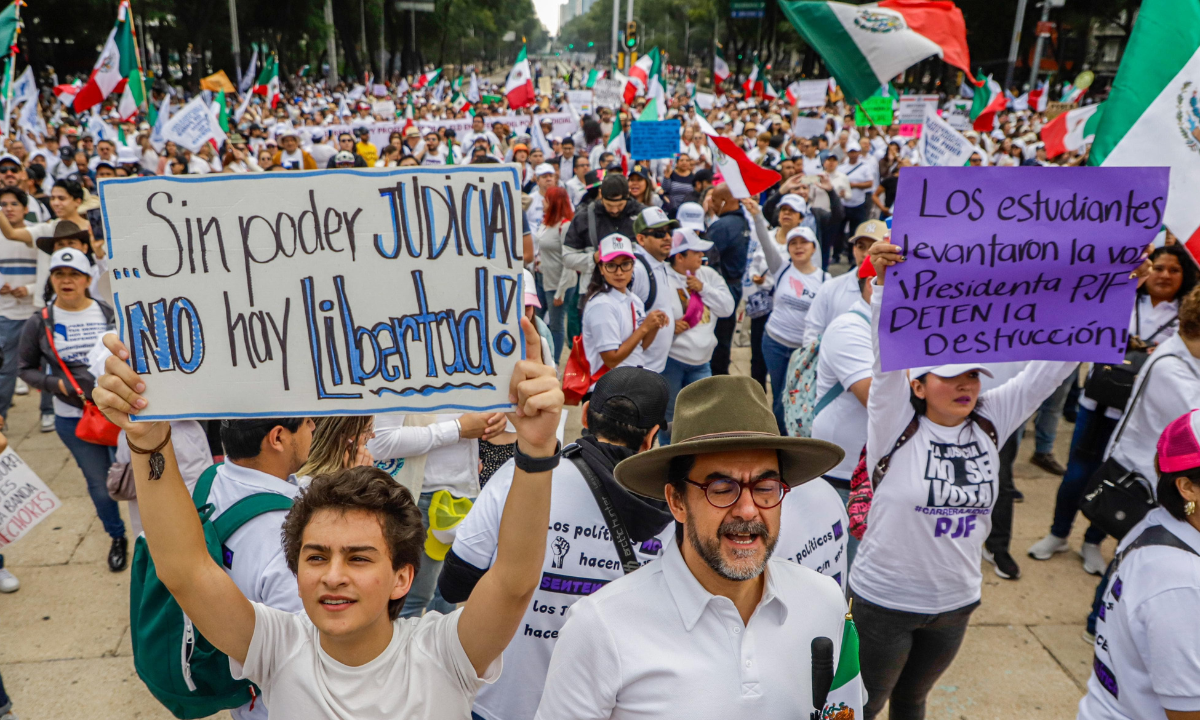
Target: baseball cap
[(874, 229), (317, 135), (853, 148), (7, 158), (127, 156), (520, 146), (1179, 444), (614, 187), (343, 156), (544, 169), (795, 202), (531, 298), (614, 246), (803, 233), (691, 216), (645, 390), (686, 239), (949, 371), (652, 218), (640, 170), (71, 258), (106, 163)]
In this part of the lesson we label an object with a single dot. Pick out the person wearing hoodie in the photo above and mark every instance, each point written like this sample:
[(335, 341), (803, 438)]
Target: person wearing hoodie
[(623, 416)]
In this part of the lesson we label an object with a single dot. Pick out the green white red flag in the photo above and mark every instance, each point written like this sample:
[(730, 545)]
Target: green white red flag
[(116, 66), (989, 99), (427, 77), (519, 86), (267, 83), (743, 177), (1071, 130)]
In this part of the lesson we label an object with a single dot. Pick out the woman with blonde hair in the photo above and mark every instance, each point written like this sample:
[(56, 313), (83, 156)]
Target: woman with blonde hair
[(338, 443)]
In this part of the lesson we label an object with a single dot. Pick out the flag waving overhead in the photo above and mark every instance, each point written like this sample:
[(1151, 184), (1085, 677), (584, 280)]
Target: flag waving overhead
[(105, 76), (743, 177), (1071, 130), (989, 99), (753, 84), (428, 77), (1152, 115), (720, 68), (133, 96), (638, 81), (519, 86), (267, 83), (865, 45)]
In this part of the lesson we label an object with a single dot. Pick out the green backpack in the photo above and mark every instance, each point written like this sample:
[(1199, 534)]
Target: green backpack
[(181, 669)]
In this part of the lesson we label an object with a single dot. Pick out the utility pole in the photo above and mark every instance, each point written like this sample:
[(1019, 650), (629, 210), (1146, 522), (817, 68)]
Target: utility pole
[(616, 20), (1014, 45), (1037, 47), (362, 34), (331, 77), (382, 40), (237, 46)]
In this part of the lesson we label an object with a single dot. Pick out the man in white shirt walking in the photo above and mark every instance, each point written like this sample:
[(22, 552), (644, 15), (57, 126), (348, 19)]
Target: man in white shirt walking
[(651, 283), (715, 629)]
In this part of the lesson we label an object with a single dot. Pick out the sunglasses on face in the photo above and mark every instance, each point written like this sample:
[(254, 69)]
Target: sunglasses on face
[(660, 234)]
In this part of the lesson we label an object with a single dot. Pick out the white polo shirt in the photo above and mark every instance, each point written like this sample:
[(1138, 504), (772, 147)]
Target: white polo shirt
[(609, 318), (656, 644), (865, 170), (812, 529), (833, 298), (655, 356), (580, 559), (847, 356)]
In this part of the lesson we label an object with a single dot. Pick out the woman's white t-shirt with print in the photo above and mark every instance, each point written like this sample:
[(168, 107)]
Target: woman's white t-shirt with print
[(933, 509), (423, 673), (813, 529), (609, 318), (794, 295), (74, 335)]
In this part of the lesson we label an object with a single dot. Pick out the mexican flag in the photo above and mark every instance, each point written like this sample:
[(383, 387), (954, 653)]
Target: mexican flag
[(769, 91), (105, 77), (267, 83), (616, 145), (133, 96), (720, 67), (1071, 130), (461, 104), (1152, 115), (66, 93), (220, 111), (428, 77), (866, 45), (656, 89), (1072, 94), (753, 85), (408, 117), (1038, 98), (593, 75), (743, 177), (8, 26), (989, 100), (638, 82), (845, 699), (519, 86)]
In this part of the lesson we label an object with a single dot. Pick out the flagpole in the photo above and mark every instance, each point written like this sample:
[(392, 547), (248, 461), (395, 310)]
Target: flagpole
[(869, 118), (137, 53), (12, 61)]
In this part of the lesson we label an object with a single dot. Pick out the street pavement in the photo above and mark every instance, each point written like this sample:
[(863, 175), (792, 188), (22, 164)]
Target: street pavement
[(64, 636)]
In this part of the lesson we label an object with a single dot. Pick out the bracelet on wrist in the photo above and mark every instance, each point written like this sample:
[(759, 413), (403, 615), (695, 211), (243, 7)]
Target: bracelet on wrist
[(157, 462)]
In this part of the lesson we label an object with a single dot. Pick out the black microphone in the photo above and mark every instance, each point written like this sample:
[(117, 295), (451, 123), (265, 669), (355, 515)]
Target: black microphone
[(822, 671)]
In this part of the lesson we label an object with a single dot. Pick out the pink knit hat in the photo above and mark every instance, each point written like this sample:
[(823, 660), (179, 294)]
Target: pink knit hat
[(1179, 445)]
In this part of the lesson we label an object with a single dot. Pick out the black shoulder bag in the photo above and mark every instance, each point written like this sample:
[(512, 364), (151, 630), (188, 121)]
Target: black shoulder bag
[(1110, 384), (616, 529)]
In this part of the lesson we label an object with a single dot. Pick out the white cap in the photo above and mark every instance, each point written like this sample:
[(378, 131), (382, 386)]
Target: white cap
[(687, 239), (691, 216), (317, 136), (795, 202), (949, 371), (614, 246), (543, 169), (127, 156), (71, 258), (802, 233), (8, 157), (531, 298)]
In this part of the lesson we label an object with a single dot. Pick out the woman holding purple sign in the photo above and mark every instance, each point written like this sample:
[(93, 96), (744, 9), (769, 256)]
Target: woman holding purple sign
[(916, 578)]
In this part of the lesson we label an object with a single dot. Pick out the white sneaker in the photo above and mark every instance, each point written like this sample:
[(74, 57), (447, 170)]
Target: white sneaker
[(1093, 562), (21, 388), (1045, 548), (8, 582), (48, 422)]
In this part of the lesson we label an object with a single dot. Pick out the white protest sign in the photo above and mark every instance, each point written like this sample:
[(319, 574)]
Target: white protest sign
[(811, 93), (911, 108), (386, 108), (336, 292), (808, 127), (25, 500), (563, 125), (941, 144), (958, 114), (192, 126), (609, 92), (581, 100), (705, 100)]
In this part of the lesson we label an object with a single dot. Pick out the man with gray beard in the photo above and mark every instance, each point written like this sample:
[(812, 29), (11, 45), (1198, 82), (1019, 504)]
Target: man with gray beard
[(715, 628)]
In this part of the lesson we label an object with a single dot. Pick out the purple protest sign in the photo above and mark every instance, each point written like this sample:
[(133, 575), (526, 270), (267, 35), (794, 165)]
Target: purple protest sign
[(1028, 263)]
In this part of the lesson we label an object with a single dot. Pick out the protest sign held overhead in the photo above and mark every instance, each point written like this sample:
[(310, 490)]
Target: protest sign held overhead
[(1007, 264), (942, 145), (24, 498), (319, 294), (654, 139)]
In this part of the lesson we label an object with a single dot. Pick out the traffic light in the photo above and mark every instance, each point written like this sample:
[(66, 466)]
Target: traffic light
[(571, 46), (590, 43), (631, 33)]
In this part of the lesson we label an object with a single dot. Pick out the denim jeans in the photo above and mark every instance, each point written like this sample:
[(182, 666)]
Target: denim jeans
[(777, 355), (424, 594), (1045, 423), (556, 320), (541, 296), (679, 375), (10, 341), (902, 654), (5, 703), (1092, 430), (94, 460)]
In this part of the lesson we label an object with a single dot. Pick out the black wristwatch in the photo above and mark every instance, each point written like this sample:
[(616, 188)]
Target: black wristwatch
[(536, 465)]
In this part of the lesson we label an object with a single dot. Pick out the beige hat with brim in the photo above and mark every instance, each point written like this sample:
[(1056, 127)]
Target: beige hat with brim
[(726, 413)]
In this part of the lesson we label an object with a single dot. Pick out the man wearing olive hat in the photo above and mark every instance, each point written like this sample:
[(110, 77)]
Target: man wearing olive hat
[(715, 628)]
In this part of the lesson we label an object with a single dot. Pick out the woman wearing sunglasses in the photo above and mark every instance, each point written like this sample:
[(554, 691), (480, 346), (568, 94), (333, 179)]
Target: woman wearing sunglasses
[(616, 327)]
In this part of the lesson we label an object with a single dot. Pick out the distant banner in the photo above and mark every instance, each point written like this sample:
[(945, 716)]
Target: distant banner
[(25, 500), (339, 292), (381, 132), (910, 109), (609, 92), (1013, 264)]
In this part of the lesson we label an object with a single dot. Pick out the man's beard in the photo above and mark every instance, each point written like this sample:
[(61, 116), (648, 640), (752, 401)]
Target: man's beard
[(710, 549)]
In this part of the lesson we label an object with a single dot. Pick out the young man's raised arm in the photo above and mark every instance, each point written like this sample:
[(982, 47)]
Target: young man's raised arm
[(207, 595), (497, 604)]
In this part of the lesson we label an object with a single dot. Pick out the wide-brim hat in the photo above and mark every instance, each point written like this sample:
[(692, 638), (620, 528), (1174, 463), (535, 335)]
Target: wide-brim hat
[(726, 413), (64, 229)]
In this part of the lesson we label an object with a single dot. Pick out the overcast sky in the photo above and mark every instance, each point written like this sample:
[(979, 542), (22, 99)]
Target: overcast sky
[(547, 12)]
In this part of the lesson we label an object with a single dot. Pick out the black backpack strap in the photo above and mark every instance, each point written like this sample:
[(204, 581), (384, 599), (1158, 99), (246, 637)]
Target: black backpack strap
[(1153, 535), (591, 220), (616, 528), (246, 509), (881, 467), (986, 426), (653, 294)]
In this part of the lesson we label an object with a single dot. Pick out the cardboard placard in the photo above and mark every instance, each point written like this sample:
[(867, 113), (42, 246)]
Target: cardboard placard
[(609, 93), (25, 500), (877, 107), (910, 110), (336, 292), (808, 126), (810, 93), (583, 101), (1013, 264), (653, 139)]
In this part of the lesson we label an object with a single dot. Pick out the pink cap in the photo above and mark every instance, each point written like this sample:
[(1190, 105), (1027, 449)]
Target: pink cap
[(1179, 444), (614, 246), (531, 298)]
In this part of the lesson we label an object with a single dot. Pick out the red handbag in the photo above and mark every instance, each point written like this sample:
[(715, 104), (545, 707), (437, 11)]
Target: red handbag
[(93, 427), (577, 375)]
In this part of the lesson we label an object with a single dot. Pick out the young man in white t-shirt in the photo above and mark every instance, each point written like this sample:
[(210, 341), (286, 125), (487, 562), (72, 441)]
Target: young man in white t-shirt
[(623, 415), (653, 230), (353, 539)]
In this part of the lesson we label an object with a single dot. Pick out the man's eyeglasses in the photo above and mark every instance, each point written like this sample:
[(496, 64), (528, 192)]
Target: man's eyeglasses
[(623, 266), (725, 492)]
